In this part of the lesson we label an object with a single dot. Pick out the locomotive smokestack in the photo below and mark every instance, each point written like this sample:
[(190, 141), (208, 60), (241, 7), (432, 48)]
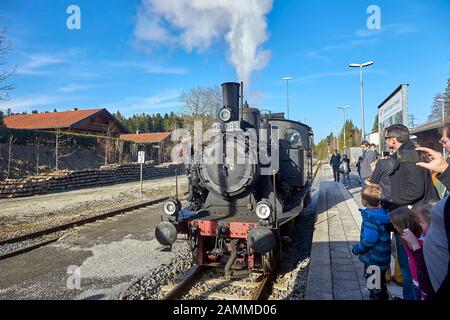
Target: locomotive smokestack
[(230, 91)]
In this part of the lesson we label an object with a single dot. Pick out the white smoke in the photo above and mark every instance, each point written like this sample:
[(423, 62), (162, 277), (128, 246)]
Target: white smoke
[(197, 24)]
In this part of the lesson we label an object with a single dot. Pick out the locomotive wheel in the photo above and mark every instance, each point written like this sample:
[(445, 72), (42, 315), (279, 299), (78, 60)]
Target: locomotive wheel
[(268, 261)]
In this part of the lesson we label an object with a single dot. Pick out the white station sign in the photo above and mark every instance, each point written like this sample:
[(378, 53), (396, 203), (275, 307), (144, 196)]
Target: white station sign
[(141, 157)]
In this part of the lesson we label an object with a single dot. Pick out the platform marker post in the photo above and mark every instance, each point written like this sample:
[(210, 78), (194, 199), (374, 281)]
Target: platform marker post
[(141, 160)]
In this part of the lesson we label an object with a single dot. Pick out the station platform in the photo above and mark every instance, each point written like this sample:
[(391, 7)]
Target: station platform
[(334, 272)]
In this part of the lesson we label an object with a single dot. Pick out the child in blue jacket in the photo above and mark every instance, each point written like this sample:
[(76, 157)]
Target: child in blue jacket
[(374, 248)]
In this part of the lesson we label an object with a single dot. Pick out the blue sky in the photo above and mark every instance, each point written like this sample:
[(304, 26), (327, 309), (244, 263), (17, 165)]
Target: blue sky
[(105, 64)]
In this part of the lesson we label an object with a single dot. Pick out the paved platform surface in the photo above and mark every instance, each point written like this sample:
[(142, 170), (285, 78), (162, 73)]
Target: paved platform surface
[(334, 272)]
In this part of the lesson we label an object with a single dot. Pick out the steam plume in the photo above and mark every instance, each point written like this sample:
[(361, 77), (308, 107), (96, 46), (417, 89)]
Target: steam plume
[(197, 24)]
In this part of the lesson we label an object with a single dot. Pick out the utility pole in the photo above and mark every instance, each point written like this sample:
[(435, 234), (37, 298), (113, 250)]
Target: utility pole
[(361, 66), (337, 134), (343, 108)]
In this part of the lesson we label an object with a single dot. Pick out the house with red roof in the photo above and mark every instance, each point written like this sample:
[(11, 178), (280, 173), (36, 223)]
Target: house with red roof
[(92, 121), (156, 143)]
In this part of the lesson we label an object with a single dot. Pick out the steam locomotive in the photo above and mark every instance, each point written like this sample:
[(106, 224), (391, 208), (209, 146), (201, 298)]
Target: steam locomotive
[(247, 183)]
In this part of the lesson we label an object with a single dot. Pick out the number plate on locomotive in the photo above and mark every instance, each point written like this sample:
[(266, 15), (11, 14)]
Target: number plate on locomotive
[(229, 126)]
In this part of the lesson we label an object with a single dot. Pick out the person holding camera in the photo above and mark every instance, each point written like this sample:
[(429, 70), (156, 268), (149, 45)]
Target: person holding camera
[(411, 186), (437, 247)]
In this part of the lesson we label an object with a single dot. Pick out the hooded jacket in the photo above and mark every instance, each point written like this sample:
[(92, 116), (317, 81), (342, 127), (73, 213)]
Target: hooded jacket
[(374, 247)]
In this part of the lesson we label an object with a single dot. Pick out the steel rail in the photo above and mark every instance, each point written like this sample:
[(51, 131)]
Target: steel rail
[(80, 222)]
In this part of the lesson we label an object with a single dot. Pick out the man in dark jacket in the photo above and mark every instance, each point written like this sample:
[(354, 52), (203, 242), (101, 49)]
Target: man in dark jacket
[(335, 162), (410, 186), (368, 157), (382, 176), (437, 246)]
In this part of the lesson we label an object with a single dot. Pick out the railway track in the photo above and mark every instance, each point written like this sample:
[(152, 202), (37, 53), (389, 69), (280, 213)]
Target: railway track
[(202, 283), (28, 242), (206, 284)]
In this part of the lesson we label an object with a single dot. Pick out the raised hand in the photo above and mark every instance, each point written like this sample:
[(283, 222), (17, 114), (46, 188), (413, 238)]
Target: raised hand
[(411, 239), (437, 162)]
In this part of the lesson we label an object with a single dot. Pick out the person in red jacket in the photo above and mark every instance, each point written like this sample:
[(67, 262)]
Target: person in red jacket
[(415, 244)]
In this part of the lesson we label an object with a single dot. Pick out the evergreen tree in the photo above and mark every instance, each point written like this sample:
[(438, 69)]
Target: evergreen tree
[(375, 124)]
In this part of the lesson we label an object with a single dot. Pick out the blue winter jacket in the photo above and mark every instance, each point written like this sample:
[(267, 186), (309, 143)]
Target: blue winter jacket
[(374, 247)]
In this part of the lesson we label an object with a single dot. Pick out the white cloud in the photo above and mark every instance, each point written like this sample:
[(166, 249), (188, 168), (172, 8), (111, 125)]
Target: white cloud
[(321, 75), (197, 24), (166, 101), (364, 37), (35, 64), (396, 28), (320, 53), (28, 103), (75, 87), (146, 67)]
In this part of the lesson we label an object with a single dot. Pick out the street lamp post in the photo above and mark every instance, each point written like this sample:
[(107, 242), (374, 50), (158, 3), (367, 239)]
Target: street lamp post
[(442, 101), (337, 134), (343, 108), (361, 66), (287, 93)]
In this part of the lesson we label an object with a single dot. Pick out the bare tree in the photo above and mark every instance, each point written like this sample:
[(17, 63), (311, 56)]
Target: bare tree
[(59, 145), (37, 154), (201, 104), (108, 145), (11, 141), (5, 47), (119, 147), (436, 108)]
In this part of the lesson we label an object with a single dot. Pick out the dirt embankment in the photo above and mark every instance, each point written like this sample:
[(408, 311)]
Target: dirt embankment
[(24, 159)]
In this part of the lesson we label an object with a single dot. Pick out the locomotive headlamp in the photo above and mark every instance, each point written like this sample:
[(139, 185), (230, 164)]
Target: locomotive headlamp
[(263, 210), (225, 114), (171, 207)]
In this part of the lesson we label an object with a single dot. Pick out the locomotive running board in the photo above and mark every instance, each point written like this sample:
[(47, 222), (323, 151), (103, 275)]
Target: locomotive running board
[(288, 216)]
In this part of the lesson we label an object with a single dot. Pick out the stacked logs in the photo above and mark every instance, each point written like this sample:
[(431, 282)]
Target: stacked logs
[(67, 180)]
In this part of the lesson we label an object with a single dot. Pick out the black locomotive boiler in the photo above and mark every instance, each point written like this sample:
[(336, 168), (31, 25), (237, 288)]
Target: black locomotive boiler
[(247, 184)]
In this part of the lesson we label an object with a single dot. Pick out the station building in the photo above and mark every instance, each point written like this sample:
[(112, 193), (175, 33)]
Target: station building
[(428, 135)]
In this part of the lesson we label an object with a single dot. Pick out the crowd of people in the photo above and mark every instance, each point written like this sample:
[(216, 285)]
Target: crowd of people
[(401, 198)]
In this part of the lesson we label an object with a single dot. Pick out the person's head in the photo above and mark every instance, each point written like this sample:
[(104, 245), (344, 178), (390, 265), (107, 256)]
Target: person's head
[(396, 135), (371, 195), (403, 218), (360, 159), (335, 152), (423, 215), (365, 145), (445, 140), (373, 147)]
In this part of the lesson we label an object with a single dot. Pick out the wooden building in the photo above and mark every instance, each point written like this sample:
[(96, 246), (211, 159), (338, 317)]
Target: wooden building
[(93, 121), (155, 142)]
